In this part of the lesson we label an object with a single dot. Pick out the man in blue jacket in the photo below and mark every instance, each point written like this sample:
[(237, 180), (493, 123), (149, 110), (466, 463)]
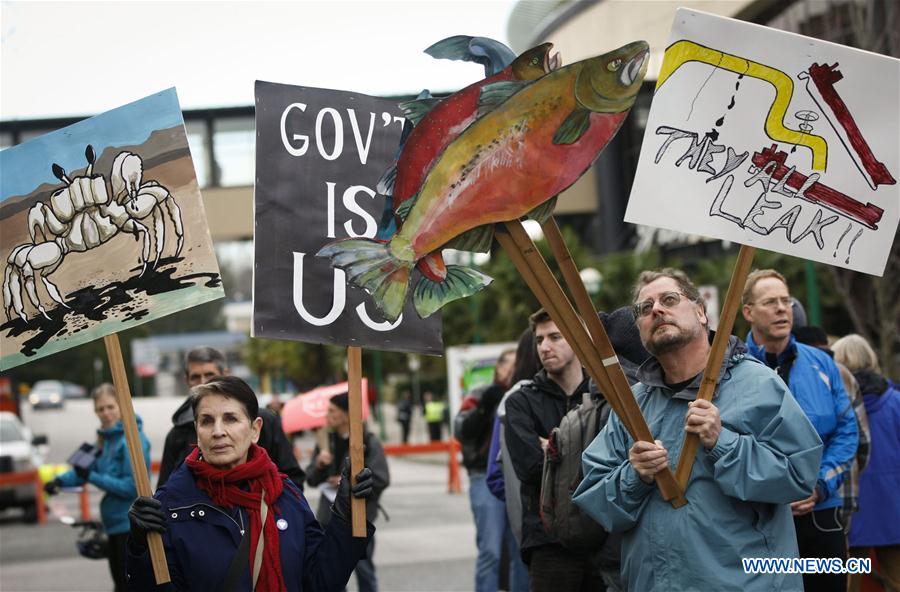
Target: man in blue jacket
[(758, 453), (815, 382)]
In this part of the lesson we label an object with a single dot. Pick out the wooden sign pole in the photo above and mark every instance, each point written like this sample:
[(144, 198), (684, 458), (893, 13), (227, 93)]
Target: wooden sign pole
[(357, 456), (135, 451), (617, 381), (716, 355), (547, 290)]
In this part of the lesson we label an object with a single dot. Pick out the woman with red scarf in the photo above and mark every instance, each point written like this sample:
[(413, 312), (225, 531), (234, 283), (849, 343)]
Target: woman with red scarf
[(230, 521)]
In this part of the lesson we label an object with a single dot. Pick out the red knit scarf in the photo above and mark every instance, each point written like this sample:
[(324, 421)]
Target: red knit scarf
[(224, 488)]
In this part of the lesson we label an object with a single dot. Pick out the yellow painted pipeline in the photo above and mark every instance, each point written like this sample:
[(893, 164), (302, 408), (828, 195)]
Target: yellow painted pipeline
[(685, 51)]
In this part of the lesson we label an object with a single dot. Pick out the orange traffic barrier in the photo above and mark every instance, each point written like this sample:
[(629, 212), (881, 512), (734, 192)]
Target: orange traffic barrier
[(451, 447), (26, 477)]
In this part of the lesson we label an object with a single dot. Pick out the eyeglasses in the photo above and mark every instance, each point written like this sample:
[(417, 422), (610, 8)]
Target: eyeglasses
[(784, 301), (667, 299)]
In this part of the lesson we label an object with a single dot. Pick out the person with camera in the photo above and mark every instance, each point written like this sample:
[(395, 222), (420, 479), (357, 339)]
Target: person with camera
[(111, 472)]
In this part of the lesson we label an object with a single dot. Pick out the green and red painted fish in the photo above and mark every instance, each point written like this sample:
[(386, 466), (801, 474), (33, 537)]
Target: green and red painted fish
[(530, 142), (439, 122)]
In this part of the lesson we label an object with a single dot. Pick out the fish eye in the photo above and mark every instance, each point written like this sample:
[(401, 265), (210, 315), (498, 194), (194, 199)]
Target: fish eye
[(614, 65), (534, 61)]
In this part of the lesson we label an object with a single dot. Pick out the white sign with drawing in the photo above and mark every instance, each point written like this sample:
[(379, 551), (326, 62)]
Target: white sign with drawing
[(773, 140)]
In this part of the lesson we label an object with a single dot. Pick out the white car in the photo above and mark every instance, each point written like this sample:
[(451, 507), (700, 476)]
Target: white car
[(19, 453)]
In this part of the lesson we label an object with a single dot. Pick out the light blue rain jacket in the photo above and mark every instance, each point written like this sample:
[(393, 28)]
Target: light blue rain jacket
[(767, 456)]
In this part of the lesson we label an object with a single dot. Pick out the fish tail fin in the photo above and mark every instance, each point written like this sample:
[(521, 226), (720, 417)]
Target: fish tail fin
[(430, 295), (369, 265)]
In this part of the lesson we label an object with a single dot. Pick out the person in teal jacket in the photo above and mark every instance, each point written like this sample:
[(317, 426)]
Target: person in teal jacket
[(815, 381), (758, 453), (111, 472)]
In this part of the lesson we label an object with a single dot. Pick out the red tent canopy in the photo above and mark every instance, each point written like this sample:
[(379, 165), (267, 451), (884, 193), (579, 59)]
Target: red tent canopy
[(307, 410)]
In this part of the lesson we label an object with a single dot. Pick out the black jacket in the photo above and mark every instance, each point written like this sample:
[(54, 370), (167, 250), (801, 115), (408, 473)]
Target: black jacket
[(531, 413), (374, 458), (182, 437), (474, 426)]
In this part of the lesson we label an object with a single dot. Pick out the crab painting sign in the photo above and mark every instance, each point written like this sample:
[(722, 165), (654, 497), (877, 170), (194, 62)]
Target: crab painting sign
[(102, 229), (319, 156), (773, 140)]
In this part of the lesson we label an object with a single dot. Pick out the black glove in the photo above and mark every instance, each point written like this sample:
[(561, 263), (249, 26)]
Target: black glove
[(365, 485), (145, 515), (52, 487), (82, 472)]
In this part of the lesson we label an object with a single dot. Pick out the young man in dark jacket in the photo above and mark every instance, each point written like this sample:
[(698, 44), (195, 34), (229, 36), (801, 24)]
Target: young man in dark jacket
[(200, 365), (531, 413)]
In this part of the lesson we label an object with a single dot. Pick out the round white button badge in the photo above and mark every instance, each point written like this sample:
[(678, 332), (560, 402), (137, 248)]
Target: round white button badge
[(281, 524)]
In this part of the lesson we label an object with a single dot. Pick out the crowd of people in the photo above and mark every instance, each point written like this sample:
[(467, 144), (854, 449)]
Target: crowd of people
[(798, 457)]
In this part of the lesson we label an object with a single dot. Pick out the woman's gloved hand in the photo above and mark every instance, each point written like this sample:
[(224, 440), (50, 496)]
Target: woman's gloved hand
[(145, 516), (365, 484)]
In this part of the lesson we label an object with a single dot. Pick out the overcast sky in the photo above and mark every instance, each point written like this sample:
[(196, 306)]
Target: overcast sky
[(83, 58)]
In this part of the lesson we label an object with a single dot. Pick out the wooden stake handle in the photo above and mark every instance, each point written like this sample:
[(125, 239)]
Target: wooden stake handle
[(135, 450), (617, 379), (357, 456), (716, 356), (543, 284)]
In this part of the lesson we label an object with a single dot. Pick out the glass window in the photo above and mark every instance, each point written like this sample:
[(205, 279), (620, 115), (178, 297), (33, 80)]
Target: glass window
[(196, 137), (234, 142)]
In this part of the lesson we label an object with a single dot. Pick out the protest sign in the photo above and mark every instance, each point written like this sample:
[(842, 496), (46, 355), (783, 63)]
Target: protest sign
[(319, 155), (773, 140), (102, 229)]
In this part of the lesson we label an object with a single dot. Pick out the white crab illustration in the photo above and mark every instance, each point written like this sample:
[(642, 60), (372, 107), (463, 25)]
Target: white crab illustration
[(80, 217)]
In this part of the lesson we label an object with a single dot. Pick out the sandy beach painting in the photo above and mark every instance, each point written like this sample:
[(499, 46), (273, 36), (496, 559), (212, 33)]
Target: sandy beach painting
[(102, 228)]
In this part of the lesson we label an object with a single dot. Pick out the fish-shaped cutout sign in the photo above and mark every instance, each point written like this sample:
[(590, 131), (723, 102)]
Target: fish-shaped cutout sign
[(531, 141), (437, 124)]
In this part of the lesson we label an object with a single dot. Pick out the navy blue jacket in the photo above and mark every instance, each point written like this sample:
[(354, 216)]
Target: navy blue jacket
[(202, 539)]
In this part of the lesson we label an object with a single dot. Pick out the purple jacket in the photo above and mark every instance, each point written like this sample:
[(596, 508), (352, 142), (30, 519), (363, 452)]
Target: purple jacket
[(877, 522), (495, 482)]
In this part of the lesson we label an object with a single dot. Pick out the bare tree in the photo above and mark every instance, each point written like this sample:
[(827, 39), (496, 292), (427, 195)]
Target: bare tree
[(873, 303)]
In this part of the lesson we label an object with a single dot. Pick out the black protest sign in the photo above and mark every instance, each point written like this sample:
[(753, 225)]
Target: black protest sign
[(319, 155)]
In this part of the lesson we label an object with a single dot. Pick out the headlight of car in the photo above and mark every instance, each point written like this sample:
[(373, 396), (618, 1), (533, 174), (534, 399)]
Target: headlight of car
[(34, 399), (55, 398)]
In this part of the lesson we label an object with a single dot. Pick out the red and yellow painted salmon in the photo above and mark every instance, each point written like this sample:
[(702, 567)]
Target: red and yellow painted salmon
[(530, 141)]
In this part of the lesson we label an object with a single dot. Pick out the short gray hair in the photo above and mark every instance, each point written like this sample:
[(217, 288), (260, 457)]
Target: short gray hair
[(205, 355), (684, 284)]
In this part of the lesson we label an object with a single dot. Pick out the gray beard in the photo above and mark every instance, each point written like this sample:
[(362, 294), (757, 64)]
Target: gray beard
[(669, 343)]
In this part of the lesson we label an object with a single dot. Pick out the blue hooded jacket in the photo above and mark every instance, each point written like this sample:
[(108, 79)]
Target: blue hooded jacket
[(766, 456), (111, 472), (815, 382)]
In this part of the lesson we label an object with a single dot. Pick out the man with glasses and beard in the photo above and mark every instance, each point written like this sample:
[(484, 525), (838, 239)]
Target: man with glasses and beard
[(758, 454)]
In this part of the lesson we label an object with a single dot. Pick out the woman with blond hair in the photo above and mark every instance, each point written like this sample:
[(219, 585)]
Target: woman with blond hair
[(877, 523), (111, 472)]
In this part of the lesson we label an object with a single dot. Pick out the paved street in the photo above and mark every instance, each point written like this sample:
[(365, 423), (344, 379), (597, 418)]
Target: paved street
[(428, 543)]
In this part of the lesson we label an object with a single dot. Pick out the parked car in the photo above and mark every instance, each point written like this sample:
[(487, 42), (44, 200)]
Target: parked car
[(53, 393), (19, 453)]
